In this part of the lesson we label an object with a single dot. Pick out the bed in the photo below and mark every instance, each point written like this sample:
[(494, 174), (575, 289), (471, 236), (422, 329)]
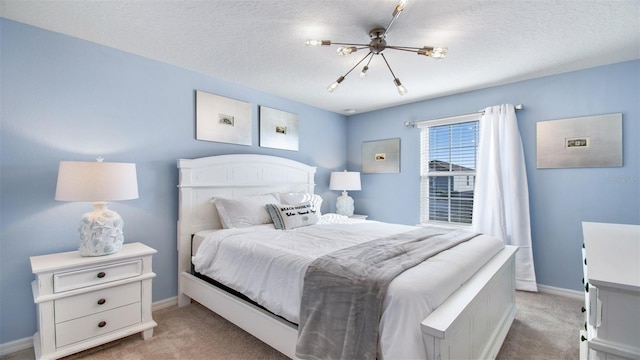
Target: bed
[(470, 323)]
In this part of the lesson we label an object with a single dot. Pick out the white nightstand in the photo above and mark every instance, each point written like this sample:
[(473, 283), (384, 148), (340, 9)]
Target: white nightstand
[(358, 216), (83, 302)]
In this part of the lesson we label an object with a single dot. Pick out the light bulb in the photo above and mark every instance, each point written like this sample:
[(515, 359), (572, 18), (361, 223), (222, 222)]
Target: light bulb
[(401, 89), (317, 42), (342, 51), (363, 73), (439, 53), (335, 84), (398, 9)]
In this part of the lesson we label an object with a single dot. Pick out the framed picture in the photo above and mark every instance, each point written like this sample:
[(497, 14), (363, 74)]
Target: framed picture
[(381, 156), (222, 119), (590, 141), (278, 129)]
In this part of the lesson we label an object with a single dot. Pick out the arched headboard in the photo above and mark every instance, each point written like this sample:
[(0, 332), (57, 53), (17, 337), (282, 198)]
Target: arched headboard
[(229, 176)]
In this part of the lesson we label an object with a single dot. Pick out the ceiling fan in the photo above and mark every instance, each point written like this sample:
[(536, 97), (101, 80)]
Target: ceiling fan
[(376, 46)]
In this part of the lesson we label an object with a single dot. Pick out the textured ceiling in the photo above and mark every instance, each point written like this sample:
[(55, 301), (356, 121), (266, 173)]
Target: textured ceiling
[(260, 44)]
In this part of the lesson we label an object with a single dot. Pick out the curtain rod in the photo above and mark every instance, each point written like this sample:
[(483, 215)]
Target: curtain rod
[(481, 112)]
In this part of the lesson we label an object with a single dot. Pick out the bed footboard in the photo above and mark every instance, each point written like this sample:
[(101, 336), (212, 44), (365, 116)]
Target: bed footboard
[(474, 321)]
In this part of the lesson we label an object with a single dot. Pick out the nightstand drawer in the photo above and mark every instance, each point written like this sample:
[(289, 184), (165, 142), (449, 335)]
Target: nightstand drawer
[(96, 301), (73, 331), (71, 280)]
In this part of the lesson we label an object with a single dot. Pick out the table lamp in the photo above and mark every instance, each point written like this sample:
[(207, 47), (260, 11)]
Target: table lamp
[(98, 182), (344, 180)]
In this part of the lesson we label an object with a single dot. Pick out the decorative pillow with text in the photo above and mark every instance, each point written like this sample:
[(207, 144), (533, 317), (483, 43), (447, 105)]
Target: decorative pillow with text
[(286, 217), (296, 198)]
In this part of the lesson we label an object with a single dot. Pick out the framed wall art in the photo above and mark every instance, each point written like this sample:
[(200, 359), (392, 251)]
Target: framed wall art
[(590, 141), (278, 129), (381, 156), (222, 119)]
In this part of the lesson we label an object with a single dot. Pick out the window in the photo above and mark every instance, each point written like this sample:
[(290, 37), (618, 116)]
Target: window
[(448, 155)]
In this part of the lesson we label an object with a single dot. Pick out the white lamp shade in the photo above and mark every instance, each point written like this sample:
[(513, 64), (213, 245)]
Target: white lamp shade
[(96, 181), (345, 180)]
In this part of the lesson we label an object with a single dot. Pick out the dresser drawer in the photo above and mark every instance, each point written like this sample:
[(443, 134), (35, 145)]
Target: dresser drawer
[(73, 331), (65, 281), (96, 301)]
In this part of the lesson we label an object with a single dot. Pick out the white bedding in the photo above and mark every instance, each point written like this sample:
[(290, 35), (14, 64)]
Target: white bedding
[(268, 266)]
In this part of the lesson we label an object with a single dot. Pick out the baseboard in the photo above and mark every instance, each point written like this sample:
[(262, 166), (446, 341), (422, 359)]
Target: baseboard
[(163, 304), (25, 343), (574, 294), (16, 345)]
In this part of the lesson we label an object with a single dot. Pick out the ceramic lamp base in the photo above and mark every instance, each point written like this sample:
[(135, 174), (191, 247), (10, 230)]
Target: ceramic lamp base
[(344, 204), (100, 231)]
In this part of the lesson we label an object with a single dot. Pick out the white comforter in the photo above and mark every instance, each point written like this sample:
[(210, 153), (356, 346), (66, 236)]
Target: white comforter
[(268, 266)]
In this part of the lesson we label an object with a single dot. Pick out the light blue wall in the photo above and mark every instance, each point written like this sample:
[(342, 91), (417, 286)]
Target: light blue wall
[(67, 99), (560, 199)]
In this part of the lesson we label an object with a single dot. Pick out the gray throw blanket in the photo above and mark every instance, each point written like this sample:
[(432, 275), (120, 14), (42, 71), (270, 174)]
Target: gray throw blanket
[(343, 291)]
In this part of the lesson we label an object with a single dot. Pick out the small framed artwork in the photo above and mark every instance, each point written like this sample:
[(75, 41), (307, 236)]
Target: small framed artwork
[(381, 156), (278, 129), (222, 119), (590, 141)]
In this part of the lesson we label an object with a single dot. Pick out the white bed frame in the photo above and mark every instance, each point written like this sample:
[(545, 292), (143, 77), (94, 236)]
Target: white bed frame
[(471, 324)]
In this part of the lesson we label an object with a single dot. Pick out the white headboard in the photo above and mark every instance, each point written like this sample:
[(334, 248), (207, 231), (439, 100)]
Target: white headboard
[(229, 176)]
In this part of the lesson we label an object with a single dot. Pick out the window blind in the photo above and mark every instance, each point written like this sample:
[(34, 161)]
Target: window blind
[(448, 154)]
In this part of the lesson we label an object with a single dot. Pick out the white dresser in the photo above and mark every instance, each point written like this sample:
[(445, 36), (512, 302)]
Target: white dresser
[(611, 258), (83, 302)]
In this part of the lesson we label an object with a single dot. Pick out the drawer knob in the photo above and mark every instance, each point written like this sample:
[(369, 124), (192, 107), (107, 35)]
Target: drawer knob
[(101, 301), (583, 338), (583, 309), (102, 324), (101, 274)]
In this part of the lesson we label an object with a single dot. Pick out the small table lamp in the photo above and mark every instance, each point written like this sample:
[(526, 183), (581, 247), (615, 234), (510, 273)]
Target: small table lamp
[(345, 180), (98, 182)]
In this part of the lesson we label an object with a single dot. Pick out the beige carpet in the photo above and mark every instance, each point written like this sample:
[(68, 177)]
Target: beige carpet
[(546, 327)]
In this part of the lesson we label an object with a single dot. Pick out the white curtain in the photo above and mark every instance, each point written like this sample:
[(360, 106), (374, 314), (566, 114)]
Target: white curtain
[(501, 195)]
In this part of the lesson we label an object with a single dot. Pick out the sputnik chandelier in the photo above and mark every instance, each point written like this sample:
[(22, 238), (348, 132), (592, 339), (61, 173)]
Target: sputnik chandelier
[(376, 46)]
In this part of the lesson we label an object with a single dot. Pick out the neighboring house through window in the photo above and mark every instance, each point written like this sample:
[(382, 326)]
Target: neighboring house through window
[(448, 155)]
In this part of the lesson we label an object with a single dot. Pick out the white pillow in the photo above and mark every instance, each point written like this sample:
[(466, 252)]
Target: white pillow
[(243, 211), (297, 198), (286, 217)]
